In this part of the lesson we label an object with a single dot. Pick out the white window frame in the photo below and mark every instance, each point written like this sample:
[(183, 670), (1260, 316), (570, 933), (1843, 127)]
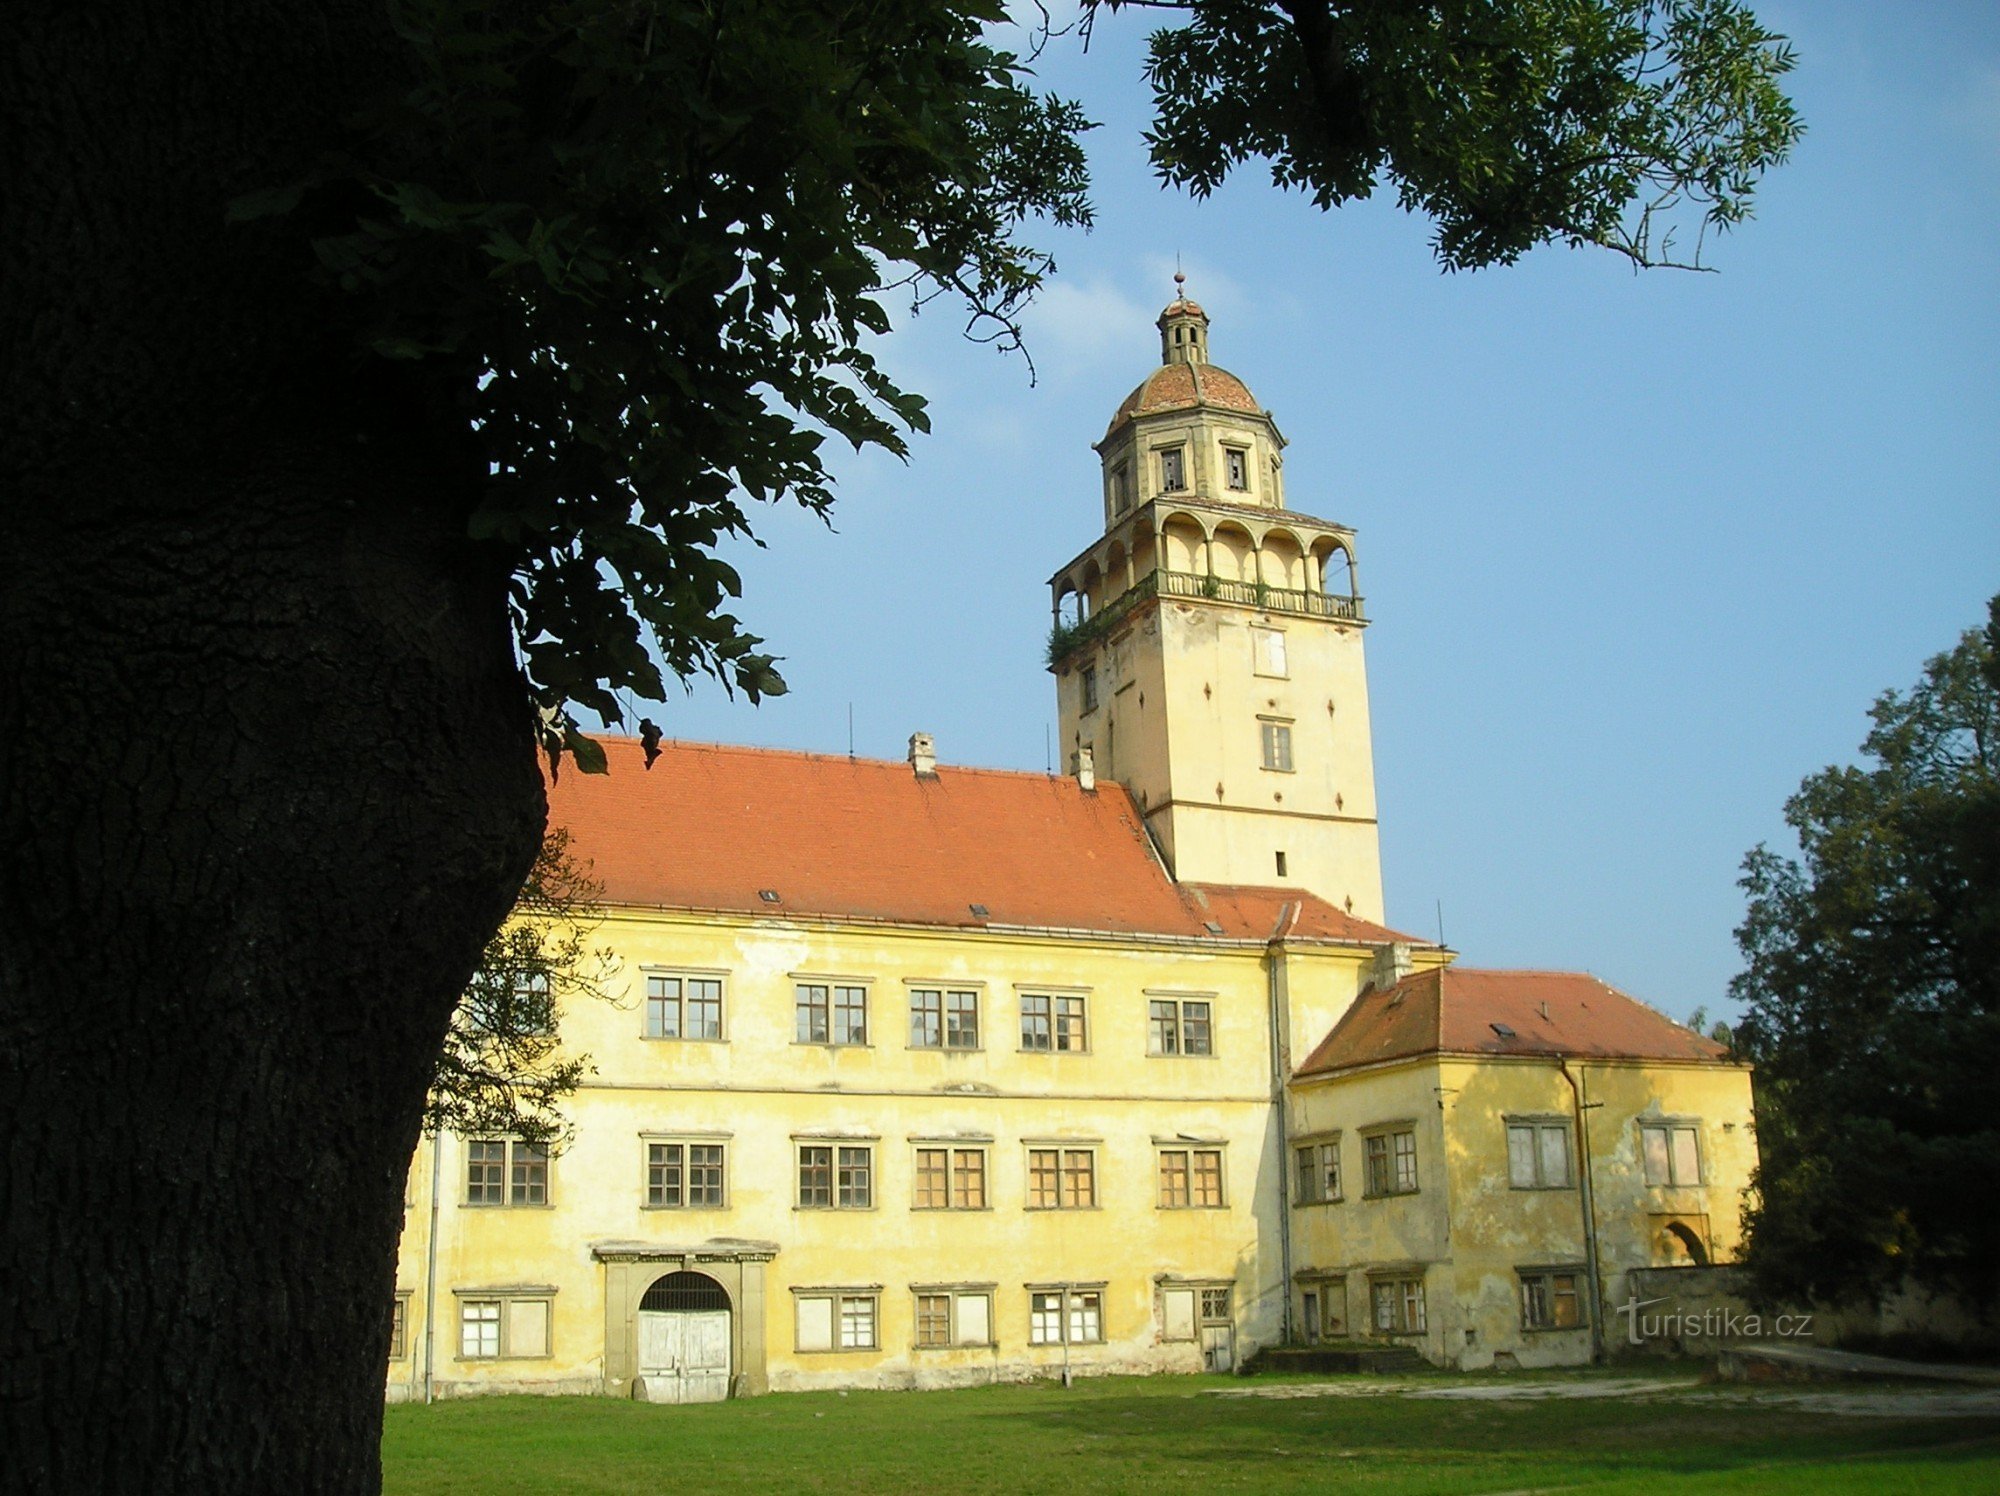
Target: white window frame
[(1076, 1306), (847, 1309), (503, 1302)]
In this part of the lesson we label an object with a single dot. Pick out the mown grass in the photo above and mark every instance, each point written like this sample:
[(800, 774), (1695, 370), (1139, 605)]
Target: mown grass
[(1154, 1435)]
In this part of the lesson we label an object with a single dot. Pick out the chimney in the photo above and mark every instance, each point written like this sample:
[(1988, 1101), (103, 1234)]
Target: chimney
[(1392, 964), (1086, 767), (923, 755)]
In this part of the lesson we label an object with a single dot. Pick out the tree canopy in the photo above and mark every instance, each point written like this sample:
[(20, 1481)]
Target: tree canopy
[(1872, 1001)]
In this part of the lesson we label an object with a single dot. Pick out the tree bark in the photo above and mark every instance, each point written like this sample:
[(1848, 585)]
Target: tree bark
[(267, 775)]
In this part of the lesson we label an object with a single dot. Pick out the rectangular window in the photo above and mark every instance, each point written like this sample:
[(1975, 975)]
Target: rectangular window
[(1121, 489), (1398, 1305), (835, 1320), (506, 1171), (1236, 467), (1087, 682), (1052, 1024), (1215, 1305), (503, 1328), (1391, 1160), (684, 1175), (1173, 471), (683, 1007), (1178, 1026), (1062, 1178), (836, 1176), (1673, 1153), (1049, 1324), (830, 1014), (1318, 1166), (1538, 1155), (951, 1179), (1551, 1300), (954, 1316), (1277, 738), (1269, 652), (1190, 1178), (399, 1327), (943, 1020)]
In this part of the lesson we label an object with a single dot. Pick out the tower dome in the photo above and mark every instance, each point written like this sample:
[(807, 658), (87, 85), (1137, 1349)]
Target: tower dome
[(1185, 380)]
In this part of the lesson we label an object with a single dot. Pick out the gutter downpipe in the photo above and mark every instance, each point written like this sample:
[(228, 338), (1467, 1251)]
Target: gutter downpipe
[(1276, 990), (430, 1276), (1589, 1212)]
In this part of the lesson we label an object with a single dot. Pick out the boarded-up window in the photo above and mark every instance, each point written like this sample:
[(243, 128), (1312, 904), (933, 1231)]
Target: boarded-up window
[(528, 1327), (1538, 1155), (1177, 1314), (815, 1320)]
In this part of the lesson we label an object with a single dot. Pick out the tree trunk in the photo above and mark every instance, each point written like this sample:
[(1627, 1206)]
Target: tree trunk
[(267, 776)]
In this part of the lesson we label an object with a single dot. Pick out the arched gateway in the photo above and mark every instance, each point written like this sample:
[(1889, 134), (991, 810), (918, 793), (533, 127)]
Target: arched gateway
[(684, 1339)]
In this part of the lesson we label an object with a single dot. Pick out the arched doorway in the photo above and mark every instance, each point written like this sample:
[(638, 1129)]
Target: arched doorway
[(684, 1340)]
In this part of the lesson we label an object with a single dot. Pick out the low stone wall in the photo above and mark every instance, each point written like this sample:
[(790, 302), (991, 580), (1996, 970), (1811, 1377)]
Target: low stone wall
[(1700, 1311)]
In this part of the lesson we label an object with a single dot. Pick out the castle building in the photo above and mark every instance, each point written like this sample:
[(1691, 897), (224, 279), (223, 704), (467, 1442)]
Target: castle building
[(923, 1075)]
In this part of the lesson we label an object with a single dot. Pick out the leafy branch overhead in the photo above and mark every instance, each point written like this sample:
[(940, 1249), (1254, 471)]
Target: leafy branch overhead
[(1510, 123), (641, 250)]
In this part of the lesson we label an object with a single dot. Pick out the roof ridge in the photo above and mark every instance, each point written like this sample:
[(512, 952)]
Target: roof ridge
[(816, 755)]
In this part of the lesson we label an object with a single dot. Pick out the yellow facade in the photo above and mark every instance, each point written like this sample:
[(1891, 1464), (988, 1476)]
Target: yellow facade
[(827, 1145)]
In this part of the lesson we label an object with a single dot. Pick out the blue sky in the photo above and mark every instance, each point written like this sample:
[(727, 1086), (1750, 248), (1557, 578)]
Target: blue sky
[(1639, 551)]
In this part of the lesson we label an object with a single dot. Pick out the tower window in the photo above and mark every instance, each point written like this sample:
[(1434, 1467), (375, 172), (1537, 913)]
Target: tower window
[(1269, 647), (1121, 489), (1236, 467), (1088, 678), (1277, 746), (1281, 866), (1173, 471)]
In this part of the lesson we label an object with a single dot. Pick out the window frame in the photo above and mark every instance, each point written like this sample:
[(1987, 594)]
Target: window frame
[(683, 1001), (1190, 1152), (1057, 1019), (510, 1163), (1669, 1126), (1086, 681), (837, 1165), (1235, 468), (838, 997), (1324, 1147), (1545, 1278), (1173, 467), (1274, 738), (955, 1294), (1063, 1197), (687, 1142), (504, 1298), (1163, 1043), (944, 993), (1391, 1185), (399, 1325), (1272, 663), (1399, 1282), (1535, 1126), (1071, 1299), (953, 1150), (838, 1297)]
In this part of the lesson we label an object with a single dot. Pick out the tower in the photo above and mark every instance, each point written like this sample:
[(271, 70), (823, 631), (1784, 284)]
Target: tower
[(1207, 647)]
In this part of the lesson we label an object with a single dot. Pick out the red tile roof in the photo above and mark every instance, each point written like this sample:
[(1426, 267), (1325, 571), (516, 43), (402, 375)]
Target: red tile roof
[(1454, 1010), (708, 827), (1185, 387)]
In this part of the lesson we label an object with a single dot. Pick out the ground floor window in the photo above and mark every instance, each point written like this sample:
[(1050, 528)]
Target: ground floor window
[(503, 1326), (950, 1315), (399, 1326), (1398, 1304), (1552, 1298), (1057, 1316), (837, 1319)]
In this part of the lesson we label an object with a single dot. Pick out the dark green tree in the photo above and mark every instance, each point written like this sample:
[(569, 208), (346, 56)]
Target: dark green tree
[(379, 377), (1871, 1003)]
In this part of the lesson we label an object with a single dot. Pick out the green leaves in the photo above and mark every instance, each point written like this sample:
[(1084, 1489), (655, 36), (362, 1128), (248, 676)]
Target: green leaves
[(1510, 123), (1872, 999), (641, 249)]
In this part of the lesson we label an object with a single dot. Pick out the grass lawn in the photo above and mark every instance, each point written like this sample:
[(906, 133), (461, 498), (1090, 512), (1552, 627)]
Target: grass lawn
[(1151, 1435)]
